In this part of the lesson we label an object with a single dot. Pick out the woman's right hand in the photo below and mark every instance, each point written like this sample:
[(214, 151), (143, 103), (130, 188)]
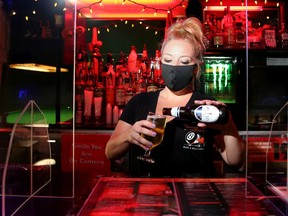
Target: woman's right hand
[(141, 127)]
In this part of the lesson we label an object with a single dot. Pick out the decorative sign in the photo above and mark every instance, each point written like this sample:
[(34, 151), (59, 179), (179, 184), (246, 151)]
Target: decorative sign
[(270, 38), (276, 150), (89, 153)]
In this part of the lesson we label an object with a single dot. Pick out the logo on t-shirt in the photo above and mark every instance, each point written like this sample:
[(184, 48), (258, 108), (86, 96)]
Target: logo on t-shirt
[(194, 141)]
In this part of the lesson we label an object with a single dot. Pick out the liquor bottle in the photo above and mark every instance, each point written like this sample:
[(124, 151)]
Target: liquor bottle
[(230, 36), (79, 67), (79, 99), (88, 102), (207, 30), (218, 39), (140, 84), (227, 26), (109, 61), (129, 93), (132, 60), (99, 90), (110, 90), (99, 103), (79, 114), (115, 115), (109, 70), (120, 66), (120, 92), (144, 53), (284, 40), (89, 81), (144, 61), (200, 113), (283, 35), (157, 65), (85, 69), (240, 35), (152, 85), (109, 115), (96, 64)]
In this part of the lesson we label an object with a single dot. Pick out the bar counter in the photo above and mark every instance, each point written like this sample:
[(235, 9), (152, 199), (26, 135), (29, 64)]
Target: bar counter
[(98, 192), (177, 196), (233, 196)]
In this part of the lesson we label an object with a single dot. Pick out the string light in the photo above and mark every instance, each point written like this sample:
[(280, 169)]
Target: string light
[(147, 27), (91, 8), (144, 7), (34, 12), (155, 13)]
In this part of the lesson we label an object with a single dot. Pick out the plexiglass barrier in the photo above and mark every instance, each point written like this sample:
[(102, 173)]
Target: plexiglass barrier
[(266, 117), (276, 156), (27, 168)]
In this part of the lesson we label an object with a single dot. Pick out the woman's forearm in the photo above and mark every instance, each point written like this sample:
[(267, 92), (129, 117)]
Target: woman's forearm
[(234, 150), (118, 143)]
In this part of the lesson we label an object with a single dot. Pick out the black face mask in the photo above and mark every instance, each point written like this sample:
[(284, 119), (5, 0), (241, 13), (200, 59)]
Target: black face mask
[(177, 77)]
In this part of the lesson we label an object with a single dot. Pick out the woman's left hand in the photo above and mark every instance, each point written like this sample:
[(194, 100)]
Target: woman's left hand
[(213, 125)]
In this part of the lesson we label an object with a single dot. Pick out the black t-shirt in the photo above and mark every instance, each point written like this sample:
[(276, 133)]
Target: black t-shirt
[(185, 151)]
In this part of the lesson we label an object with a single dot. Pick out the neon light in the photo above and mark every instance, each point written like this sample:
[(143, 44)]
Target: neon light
[(220, 76), (220, 71)]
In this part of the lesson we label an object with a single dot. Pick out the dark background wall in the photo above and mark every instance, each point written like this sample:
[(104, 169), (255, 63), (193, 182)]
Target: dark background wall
[(121, 38)]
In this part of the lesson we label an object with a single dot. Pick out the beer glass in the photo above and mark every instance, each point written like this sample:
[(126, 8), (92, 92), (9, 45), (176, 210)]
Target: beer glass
[(160, 122)]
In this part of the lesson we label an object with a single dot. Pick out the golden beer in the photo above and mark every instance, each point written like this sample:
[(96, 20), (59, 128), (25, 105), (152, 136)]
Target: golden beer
[(160, 122)]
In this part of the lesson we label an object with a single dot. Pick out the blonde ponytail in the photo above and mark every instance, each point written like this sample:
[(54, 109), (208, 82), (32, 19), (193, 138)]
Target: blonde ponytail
[(190, 29)]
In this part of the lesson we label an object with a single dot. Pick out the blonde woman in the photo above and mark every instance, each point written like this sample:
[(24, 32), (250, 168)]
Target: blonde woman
[(178, 155)]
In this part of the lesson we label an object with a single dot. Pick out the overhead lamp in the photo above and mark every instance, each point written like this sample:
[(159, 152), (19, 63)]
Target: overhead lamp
[(36, 67)]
